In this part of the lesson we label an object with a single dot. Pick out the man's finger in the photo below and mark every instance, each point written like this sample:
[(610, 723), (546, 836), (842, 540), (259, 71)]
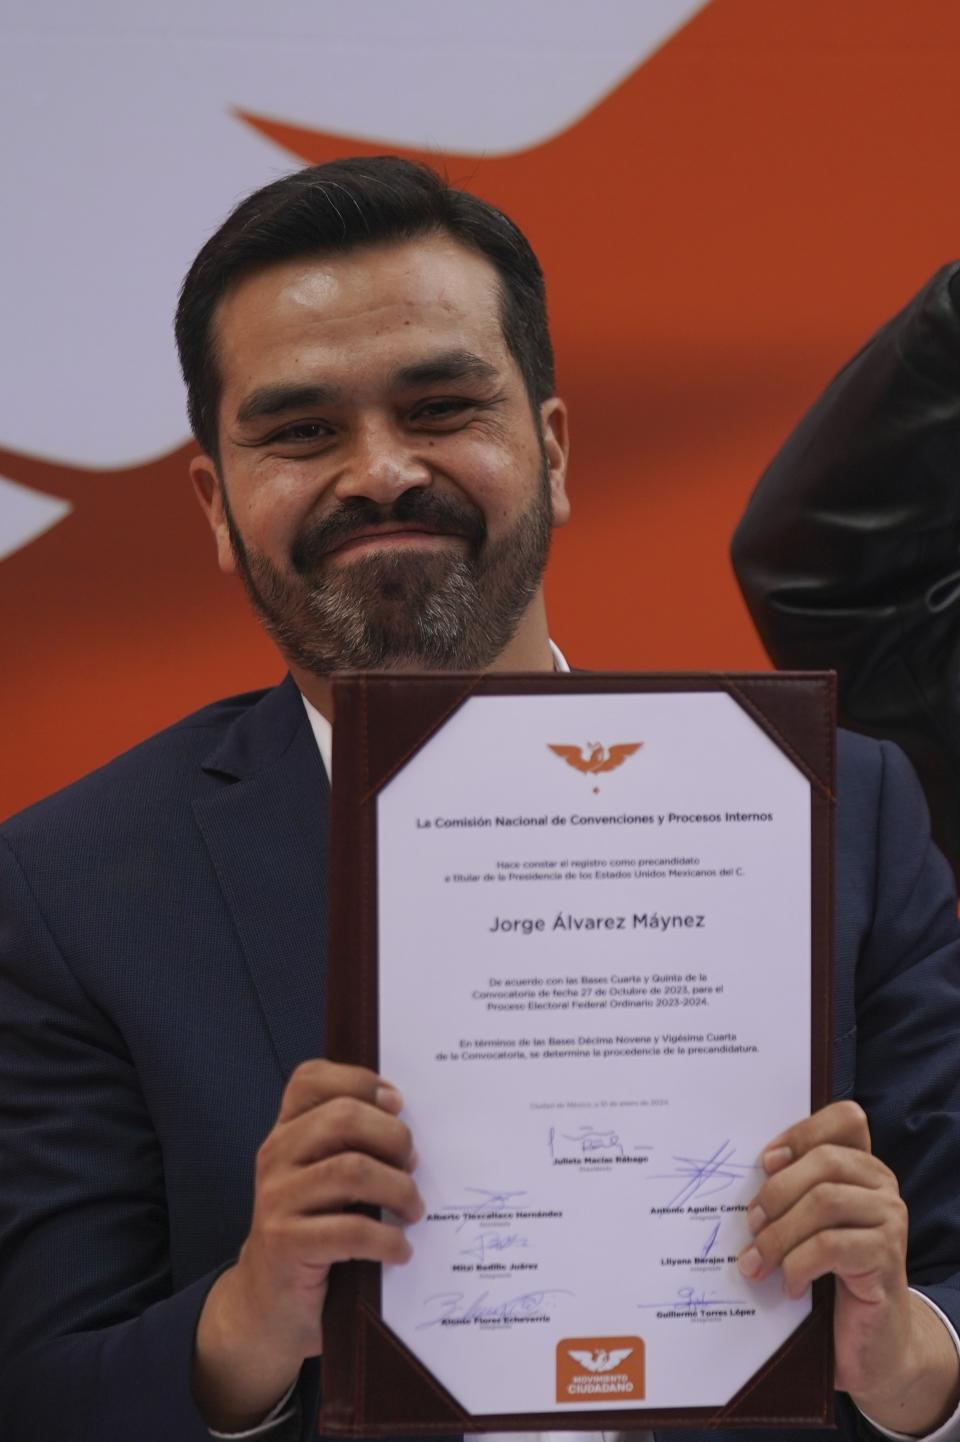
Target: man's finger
[(859, 1258), (829, 1163), (321, 1241), (841, 1124), (349, 1179), (318, 1081), (828, 1207), (342, 1125)]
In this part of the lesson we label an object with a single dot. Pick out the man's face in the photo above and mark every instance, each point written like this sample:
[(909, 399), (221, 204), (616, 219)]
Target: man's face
[(385, 490)]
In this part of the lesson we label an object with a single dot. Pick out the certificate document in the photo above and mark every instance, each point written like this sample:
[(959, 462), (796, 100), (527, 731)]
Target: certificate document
[(591, 920)]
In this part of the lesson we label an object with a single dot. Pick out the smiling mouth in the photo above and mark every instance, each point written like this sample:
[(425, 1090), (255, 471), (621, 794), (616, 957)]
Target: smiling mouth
[(393, 539)]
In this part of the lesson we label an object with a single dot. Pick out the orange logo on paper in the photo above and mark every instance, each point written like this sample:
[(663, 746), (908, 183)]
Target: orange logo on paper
[(600, 1369), (594, 757)]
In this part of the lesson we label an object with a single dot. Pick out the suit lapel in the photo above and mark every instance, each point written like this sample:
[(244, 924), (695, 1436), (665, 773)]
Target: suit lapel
[(267, 831)]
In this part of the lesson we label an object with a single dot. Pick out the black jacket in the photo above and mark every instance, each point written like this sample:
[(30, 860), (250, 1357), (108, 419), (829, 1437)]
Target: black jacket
[(849, 552)]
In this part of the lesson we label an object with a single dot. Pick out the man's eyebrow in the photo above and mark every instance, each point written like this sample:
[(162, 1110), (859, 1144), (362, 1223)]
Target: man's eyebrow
[(275, 400), (451, 365)]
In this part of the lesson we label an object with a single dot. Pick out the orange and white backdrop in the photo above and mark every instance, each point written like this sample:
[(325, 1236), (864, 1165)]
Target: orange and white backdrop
[(727, 196)]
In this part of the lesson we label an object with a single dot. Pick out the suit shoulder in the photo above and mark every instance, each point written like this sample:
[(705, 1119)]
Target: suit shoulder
[(879, 799), (858, 754), (865, 760), (149, 769)]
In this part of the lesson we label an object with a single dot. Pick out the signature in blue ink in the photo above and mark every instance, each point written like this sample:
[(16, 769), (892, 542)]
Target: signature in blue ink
[(709, 1244), (488, 1242), (453, 1307), (585, 1139), (689, 1299), (705, 1177), (484, 1202), (599, 1142)]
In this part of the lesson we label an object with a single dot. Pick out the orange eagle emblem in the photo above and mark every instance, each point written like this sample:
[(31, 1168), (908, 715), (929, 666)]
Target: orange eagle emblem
[(595, 758)]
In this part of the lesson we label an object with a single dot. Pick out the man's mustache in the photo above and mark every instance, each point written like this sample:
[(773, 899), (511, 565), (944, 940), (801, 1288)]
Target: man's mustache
[(421, 507)]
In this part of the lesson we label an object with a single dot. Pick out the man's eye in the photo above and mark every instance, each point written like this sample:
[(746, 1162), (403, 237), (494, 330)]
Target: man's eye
[(443, 410), (304, 431)]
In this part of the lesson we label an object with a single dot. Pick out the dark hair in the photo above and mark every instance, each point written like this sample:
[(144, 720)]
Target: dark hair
[(339, 207)]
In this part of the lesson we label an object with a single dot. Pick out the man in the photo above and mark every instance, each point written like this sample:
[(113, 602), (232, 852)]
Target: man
[(849, 551), (382, 460)]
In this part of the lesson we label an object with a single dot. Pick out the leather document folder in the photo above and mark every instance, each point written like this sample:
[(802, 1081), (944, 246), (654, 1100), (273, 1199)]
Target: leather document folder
[(373, 1383)]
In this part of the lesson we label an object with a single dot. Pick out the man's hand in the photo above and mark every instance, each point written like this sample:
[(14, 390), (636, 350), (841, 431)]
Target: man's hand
[(337, 1142), (829, 1205)]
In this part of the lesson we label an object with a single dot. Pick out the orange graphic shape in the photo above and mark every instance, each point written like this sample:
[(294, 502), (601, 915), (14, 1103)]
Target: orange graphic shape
[(600, 1370), (598, 759), (719, 235)]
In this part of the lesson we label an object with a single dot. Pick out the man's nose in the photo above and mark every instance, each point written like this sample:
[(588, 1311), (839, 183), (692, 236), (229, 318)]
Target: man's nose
[(382, 465)]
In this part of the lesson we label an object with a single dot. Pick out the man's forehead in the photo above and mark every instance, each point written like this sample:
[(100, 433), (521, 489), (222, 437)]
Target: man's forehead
[(433, 280), (383, 314)]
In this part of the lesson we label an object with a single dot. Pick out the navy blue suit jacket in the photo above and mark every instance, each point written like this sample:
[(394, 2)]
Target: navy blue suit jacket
[(162, 930)]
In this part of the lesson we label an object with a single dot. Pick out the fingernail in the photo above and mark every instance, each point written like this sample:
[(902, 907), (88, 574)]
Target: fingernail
[(388, 1098), (776, 1158), (751, 1262), (756, 1218), (414, 1160)]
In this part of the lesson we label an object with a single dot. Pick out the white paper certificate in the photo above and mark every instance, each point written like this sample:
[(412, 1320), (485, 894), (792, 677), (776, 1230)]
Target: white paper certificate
[(594, 972)]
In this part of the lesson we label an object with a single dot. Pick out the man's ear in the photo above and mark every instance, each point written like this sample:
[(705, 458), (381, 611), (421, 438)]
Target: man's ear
[(209, 492), (556, 442)]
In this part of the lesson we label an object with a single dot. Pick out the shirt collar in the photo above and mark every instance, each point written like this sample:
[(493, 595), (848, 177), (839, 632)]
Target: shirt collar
[(323, 731)]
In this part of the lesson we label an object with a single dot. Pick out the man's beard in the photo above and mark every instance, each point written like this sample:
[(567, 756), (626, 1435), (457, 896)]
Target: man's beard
[(451, 609)]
